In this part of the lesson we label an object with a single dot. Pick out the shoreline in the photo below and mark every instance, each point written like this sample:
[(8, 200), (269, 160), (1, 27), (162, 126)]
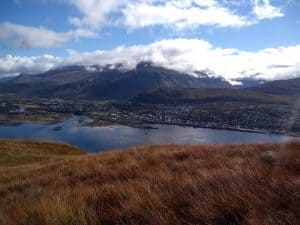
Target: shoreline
[(141, 124), (145, 123)]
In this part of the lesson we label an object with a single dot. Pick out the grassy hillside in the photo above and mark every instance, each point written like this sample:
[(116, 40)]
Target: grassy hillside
[(15, 153), (198, 184)]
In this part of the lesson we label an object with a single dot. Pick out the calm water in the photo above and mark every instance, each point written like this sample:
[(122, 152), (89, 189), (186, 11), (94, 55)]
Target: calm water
[(94, 139)]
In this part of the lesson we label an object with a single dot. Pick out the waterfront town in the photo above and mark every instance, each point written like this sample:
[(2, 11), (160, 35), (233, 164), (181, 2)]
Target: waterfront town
[(255, 117)]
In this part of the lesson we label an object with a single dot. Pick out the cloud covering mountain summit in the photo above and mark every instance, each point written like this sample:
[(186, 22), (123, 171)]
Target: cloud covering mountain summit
[(186, 55)]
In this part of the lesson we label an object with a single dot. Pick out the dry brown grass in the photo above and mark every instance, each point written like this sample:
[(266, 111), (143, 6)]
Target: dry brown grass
[(159, 185), (14, 153)]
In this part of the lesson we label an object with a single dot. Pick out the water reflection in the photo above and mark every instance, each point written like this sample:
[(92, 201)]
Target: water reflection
[(115, 137)]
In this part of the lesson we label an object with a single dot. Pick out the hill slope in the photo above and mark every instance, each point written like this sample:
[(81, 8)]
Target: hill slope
[(200, 184), (222, 95), (110, 82), (280, 87), (15, 153)]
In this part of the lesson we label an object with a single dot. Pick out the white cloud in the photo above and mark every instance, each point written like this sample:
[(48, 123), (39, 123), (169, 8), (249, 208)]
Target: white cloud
[(136, 14), (141, 13), (94, 12), (264, 10), (182, 14), (19, 36), (35, 64), (186, 55)]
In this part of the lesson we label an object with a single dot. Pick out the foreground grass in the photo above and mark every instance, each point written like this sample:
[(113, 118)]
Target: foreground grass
[(200, 184)]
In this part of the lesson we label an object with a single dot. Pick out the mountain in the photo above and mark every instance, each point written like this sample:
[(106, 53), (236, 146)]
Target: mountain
[(107, 82), (191, 95), (248, 82), (5, 79), (289, 87)]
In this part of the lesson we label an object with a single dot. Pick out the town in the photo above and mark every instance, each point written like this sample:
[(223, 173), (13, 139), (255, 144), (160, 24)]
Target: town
[(254, 117)]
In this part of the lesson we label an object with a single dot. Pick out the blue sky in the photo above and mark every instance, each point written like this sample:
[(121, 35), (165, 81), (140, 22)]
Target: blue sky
[(263, 36)]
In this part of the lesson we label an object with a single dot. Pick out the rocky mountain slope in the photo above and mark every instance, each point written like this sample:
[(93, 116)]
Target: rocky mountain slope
[(109, 82)]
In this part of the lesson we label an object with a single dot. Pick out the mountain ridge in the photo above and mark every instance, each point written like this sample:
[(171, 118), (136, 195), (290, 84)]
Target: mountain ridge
[(116, 82), (111, 82), (290, 87)]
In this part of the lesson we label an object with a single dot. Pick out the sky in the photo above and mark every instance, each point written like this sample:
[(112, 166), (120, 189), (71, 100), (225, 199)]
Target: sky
[(230, 38)]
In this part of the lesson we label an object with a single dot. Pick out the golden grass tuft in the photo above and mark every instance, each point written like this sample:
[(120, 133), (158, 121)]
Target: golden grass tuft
[(165, 185)]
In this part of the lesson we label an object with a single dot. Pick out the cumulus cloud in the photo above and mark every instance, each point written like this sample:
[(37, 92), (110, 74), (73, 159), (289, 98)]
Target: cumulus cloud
[(135, 14), (94, 12), (180, 14), (13, 65), (19, 36), (188, 55), (264, 10)]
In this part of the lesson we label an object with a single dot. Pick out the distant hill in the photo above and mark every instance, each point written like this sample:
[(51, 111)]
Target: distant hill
[(109, 82), (289, 87), (170, 96)]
